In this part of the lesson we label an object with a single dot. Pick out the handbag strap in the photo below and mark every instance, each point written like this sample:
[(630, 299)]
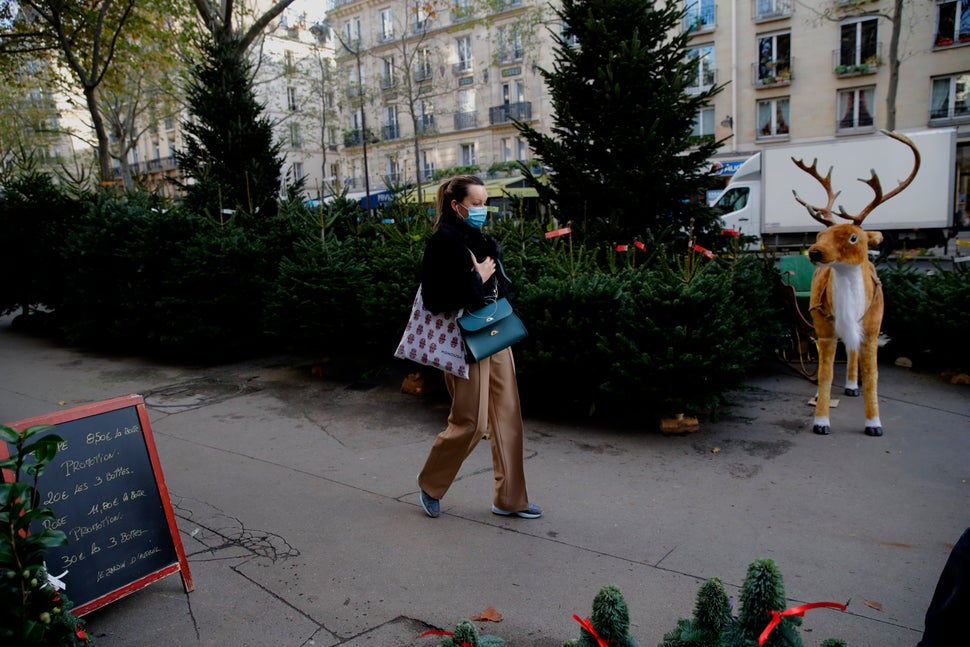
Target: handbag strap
[(484, 317)]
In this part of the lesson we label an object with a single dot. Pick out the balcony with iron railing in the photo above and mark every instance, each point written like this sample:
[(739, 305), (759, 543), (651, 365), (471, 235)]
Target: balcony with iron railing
[(423, 73), (356, 137), (391, 131), (466, 120), (504, 114), (388, 82), (765, 10), (857, 64), (462, 67), (508, 55), (426, 125), (772, 74)]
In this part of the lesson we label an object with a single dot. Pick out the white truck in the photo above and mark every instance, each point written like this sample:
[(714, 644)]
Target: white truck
[(758, 199)]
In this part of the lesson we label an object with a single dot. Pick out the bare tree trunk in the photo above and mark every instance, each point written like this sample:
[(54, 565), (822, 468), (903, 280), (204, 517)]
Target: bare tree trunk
[(104, 153), (897, 23)]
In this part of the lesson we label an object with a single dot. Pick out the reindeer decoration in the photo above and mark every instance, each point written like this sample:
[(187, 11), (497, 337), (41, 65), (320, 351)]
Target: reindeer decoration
[(846, 298)]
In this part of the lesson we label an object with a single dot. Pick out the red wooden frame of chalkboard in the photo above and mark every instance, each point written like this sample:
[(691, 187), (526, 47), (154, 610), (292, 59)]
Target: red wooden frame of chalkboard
[(93, 409)]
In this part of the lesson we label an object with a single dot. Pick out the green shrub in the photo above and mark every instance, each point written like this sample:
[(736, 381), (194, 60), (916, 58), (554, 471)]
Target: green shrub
[(610, 620), (34, 215), (315, 306), (32, 611), (925, 313), (147, 277)]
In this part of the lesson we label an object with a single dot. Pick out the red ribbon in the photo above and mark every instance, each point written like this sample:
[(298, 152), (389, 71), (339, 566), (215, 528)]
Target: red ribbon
[(559, 232), (640, 246), (443, 633), (701, 250), (730, 232), (776, 616), (622, 248), (588, 626)]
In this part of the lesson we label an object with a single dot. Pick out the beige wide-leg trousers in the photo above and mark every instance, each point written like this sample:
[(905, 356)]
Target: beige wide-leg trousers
[(489, 396)]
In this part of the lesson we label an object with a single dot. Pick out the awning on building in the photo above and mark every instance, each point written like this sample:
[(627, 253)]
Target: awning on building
[(501, 187)]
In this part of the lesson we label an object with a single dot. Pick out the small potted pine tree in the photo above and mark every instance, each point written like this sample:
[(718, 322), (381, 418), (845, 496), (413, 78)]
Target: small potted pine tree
[(610, 622)]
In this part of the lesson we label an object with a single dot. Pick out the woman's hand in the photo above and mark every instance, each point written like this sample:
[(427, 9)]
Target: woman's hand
[(485, 269)]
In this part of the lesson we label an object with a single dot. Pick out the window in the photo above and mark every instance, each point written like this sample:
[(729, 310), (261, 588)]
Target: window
[(391, 129), (952, 22), (427, 165), (733, 199), (699, 15), (331, 136), (388, 76), (513, 148), (385, 25), (425, 115), (569, 39), (392, 168), (509, 44), (468, 155), (169, 123), (423, 70), (423, 13), (513, 92), (464, 47), (461, 9), (297, 171), (704, 123), (295, 140), (774, 58), (773, 118), (291, 99), (857, 43), (466, 101), (352, 31), (950, 97), (855, 109), (772, 8), (705, 69), (466, 117), (288, 66)]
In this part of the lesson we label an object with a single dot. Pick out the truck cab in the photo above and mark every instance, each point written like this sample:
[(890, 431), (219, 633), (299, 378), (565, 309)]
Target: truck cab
[(739, 205)]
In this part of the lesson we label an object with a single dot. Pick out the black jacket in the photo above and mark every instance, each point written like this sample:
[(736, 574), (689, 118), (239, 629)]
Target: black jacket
[(448, 277)]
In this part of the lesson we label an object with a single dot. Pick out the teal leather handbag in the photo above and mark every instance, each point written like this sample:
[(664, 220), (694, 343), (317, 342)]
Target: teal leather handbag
[(490, 329)]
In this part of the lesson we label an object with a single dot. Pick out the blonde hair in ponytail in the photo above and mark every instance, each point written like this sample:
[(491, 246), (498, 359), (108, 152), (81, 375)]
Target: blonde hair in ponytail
[(454, 189)]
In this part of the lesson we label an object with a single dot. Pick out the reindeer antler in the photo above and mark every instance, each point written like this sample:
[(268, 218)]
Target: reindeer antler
[(824, 216), (875, 185)]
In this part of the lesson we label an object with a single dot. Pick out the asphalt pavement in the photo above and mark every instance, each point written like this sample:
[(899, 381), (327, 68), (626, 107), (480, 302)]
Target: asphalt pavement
[(295, 499)]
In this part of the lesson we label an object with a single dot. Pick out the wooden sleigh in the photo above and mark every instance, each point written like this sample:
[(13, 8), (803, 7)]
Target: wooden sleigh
[(799, 347)]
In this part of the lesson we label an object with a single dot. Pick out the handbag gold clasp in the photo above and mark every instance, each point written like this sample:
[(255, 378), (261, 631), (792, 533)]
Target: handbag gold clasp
[(493, 333)]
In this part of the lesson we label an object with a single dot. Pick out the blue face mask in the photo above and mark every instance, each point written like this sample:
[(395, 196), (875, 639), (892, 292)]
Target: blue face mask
[(476, 216)]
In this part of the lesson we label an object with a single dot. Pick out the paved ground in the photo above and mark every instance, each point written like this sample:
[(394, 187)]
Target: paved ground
[(296, 501)]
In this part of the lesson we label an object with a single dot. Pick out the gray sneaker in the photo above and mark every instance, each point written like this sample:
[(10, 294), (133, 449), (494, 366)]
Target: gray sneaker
[(431, 505), (532, 512)]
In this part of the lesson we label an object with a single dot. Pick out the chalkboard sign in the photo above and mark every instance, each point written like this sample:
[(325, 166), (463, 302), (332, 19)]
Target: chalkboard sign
[(106, 490)]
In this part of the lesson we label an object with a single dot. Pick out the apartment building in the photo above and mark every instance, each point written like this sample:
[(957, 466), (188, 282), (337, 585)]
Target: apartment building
[(794, 72), (435, 85)]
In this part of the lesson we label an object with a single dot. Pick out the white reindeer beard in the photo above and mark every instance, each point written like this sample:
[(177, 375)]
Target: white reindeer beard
[(849, 301)]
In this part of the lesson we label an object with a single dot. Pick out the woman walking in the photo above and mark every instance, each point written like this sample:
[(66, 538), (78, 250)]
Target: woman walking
[(462, 269)]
